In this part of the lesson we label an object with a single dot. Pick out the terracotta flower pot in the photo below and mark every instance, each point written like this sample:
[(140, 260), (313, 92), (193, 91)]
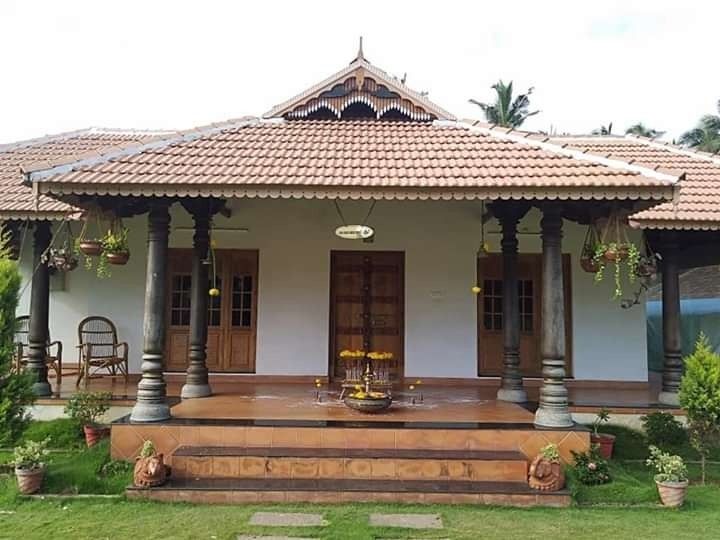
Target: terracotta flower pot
[(121, 257), (588, 264), (90, 247), (605, 442), (672, 494), (29, 480), (610, 255), (94, 434), (65, 264)]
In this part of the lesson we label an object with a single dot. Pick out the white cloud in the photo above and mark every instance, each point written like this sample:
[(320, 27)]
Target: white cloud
[(168, 64)]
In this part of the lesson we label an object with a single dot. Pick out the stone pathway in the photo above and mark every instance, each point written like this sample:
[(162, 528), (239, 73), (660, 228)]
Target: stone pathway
[(282, 519), (407, 521)]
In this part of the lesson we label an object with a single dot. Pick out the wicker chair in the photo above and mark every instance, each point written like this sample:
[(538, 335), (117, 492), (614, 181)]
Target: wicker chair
[(99, 350), (53, 358)]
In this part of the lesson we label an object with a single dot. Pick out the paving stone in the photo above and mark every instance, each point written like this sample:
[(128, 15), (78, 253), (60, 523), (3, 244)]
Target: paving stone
[(407, 521), (282, 519)]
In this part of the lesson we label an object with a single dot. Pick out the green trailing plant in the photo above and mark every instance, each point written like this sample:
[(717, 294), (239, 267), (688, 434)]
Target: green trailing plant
[(86, 259), (86, 408), (590, 468), (15, 388), (148, 449), (626, 255), (31, 455), (700, 397), (602, 418), (551, 453), (668, 468), (663, 430), (115, 241)]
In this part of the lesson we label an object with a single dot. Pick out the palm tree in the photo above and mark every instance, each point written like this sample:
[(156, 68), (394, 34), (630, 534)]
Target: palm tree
[(642, 130), (507, 111), (705, 135)]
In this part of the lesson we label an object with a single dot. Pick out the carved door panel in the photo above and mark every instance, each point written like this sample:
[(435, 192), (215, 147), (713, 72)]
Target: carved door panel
[(490, 318), (367, 305)]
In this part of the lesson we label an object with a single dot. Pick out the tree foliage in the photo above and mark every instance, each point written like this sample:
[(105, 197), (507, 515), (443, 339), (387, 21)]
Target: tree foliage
[(507, 110), (642, 130), (15, 388), (700, 397), (705, 135)]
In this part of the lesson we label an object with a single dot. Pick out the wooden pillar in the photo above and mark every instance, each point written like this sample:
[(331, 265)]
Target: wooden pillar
[(151, 404), (39, 311), (196, 382), (553, 411), (511, 385), (672, 364)]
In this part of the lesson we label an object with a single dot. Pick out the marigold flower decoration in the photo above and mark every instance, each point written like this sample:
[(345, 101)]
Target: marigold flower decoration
[(376, 355), (347, 353)]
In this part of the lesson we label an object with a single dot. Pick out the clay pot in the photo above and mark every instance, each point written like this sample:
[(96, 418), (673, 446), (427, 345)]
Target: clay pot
[(646, 269), (610, 255), (94, 434), (605, 442), (672, 494), (90, 247), (29, 480), (65, 264), (588, 264), (368, 405), (546, 475), (121, 257)]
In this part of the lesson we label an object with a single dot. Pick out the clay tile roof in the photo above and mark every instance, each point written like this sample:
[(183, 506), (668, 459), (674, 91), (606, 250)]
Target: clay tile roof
[(362, 158), (696, 204), (17, 200)]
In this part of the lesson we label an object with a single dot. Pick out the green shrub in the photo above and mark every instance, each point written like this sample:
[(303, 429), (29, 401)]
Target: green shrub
[(700, 397), (31, 455), (590, 468), (668, 468), (15, 388), (663, 430), (86, 408)]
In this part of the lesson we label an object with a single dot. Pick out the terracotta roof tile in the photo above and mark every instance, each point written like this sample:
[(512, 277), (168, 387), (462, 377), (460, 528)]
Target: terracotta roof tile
[(17, 199), (697, 201), (372, 154)]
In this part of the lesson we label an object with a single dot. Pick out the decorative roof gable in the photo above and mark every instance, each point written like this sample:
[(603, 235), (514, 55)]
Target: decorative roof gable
[(361, 90)]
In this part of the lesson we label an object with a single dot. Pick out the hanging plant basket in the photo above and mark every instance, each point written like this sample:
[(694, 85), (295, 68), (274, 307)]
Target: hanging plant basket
[(615, 248), (91, 248), (119, 257), (587, 255)]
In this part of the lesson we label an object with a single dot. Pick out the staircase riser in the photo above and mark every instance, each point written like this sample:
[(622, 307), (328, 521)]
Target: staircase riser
[(329, 497), (350, 468)]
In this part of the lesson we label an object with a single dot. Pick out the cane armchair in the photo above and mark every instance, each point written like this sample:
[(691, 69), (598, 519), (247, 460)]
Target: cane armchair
[(53, 350), (100, 354)]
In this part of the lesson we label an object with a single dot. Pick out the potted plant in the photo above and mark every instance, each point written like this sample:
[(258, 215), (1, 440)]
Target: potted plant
[(671, 478), (150, 469), (62, 259), (87, 408), (115, 246), (621, 255), (546, 471), (29, 465), (587, 255), (604, 441)]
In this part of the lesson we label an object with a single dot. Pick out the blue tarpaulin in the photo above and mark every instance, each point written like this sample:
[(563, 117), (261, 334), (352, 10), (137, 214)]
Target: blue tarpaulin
[(696, 315)]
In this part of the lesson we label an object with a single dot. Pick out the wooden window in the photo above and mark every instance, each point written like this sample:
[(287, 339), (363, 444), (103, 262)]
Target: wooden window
[(242, 301), (180, 303), (492, 304), (527, 305)]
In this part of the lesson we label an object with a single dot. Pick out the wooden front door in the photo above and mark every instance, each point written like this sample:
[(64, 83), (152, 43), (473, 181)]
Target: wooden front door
[(490, 319), (367, 305), (232, 316)]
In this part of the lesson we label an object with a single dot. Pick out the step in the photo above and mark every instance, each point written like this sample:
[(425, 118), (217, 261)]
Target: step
[(325, 491), (348, 463)]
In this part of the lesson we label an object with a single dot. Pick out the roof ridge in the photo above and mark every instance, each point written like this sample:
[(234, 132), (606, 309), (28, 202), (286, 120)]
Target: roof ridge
[(43, 169), (707, 156), (544, 142)]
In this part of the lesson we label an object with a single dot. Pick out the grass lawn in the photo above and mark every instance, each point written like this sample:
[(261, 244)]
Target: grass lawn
[(625, 508)]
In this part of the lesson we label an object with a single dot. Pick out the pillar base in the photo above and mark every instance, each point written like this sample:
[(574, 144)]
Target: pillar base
[(548, 418), (513, 396), (669, 398), (192, 391), (42, 389), (150, 412)]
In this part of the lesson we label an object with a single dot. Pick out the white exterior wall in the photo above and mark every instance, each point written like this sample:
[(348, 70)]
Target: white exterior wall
[(294, 239)]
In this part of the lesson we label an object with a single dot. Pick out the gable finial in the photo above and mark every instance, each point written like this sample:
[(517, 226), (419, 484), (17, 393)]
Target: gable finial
[(360, 54)]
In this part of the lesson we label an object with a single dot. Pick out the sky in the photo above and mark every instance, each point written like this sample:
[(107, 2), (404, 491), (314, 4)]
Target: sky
[(156, 64)]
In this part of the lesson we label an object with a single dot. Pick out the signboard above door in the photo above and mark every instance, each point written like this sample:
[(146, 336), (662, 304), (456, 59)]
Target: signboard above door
[(355, 232)]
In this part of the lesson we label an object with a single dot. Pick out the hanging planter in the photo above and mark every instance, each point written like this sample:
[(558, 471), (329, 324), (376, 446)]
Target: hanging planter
[(115, 245), (61, 257), (615, 248), (587, 255)]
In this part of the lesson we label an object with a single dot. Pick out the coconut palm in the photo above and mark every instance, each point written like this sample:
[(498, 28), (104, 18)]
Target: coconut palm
[(603, 130), (507, 110), (642, 130), (705, 135)]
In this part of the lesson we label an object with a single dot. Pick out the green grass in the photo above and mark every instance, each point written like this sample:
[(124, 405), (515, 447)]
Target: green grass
[(63, 433), (626, 508)]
